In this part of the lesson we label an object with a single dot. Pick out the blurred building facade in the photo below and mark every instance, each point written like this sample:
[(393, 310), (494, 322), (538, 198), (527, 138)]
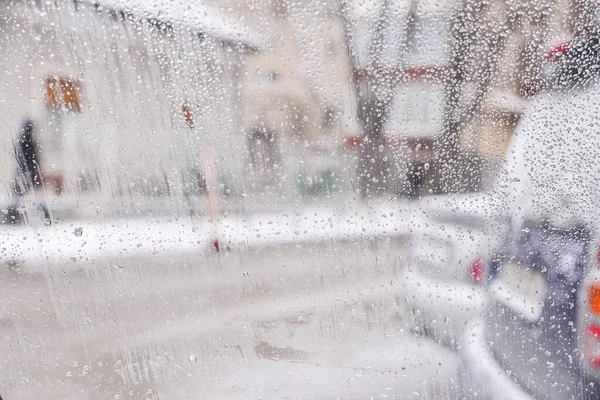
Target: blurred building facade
[(400, 52), (298, 96), (134, 105), (512, 47), (303, 101), (415, 117), (461, 74), (125, 104)]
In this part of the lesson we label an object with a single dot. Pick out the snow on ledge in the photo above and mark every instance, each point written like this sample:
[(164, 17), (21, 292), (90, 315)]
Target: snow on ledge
[(190, 14)]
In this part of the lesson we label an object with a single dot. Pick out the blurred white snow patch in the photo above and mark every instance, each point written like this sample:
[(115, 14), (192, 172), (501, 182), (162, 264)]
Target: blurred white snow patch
[(442, 309), (190, 14), (384, 368)]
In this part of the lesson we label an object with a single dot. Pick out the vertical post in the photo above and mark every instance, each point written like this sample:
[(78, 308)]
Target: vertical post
[(372, 107), (212, 195)]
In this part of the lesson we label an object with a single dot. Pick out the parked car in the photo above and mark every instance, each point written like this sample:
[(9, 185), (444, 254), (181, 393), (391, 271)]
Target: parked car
[(448, 254), (539, 337)]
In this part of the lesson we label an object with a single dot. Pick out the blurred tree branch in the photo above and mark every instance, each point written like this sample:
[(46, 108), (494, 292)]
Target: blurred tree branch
[(480, 31), (374, 85)]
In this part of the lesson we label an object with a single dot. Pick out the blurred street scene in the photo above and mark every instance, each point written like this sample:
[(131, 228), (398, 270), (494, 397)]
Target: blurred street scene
[(273, 108), (292, 199)]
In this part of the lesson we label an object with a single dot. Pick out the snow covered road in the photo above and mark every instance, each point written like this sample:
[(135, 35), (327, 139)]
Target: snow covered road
[(326, 320)]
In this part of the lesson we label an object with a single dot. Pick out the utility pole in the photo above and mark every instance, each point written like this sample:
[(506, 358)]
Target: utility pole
[(374, 85)]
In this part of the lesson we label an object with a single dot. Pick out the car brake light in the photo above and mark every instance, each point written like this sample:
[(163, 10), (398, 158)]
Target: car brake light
[(594, 298), (477, 270), (559, 51), (591, 346), (591, 336)]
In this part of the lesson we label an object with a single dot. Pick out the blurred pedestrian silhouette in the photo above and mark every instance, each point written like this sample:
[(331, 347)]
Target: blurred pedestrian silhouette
[(28, 176), (26, 151)]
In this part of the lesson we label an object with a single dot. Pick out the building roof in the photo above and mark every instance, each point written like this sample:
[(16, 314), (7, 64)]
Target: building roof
[(191, 14), (371, 8)]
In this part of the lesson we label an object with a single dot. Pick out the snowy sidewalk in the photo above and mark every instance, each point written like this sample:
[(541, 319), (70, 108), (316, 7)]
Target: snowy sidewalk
[(86, 240)]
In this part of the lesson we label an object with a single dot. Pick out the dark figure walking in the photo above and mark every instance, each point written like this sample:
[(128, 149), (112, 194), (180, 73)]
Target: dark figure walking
[(28, 174), (27, 154)]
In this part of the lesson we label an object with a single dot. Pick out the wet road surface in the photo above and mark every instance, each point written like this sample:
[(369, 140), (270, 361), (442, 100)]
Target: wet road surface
[(323, 320)]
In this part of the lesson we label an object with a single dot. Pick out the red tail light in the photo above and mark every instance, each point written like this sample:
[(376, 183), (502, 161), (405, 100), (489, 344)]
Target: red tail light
[(559, 51), (594, 298), (589, 318), (477, 267), (591, 346)]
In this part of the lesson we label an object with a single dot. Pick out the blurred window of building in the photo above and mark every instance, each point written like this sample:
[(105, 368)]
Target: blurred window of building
[(330, 114), (63, 93), (427, 36), (417, 110), (413, 31), (267, 74), (280, 8), (262, 145), (188, 115)]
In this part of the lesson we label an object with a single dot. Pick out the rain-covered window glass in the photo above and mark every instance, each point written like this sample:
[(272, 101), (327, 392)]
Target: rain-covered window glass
[(264, 199)]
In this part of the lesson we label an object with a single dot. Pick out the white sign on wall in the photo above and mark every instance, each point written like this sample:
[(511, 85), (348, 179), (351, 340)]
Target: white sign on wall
[(416, 111)]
